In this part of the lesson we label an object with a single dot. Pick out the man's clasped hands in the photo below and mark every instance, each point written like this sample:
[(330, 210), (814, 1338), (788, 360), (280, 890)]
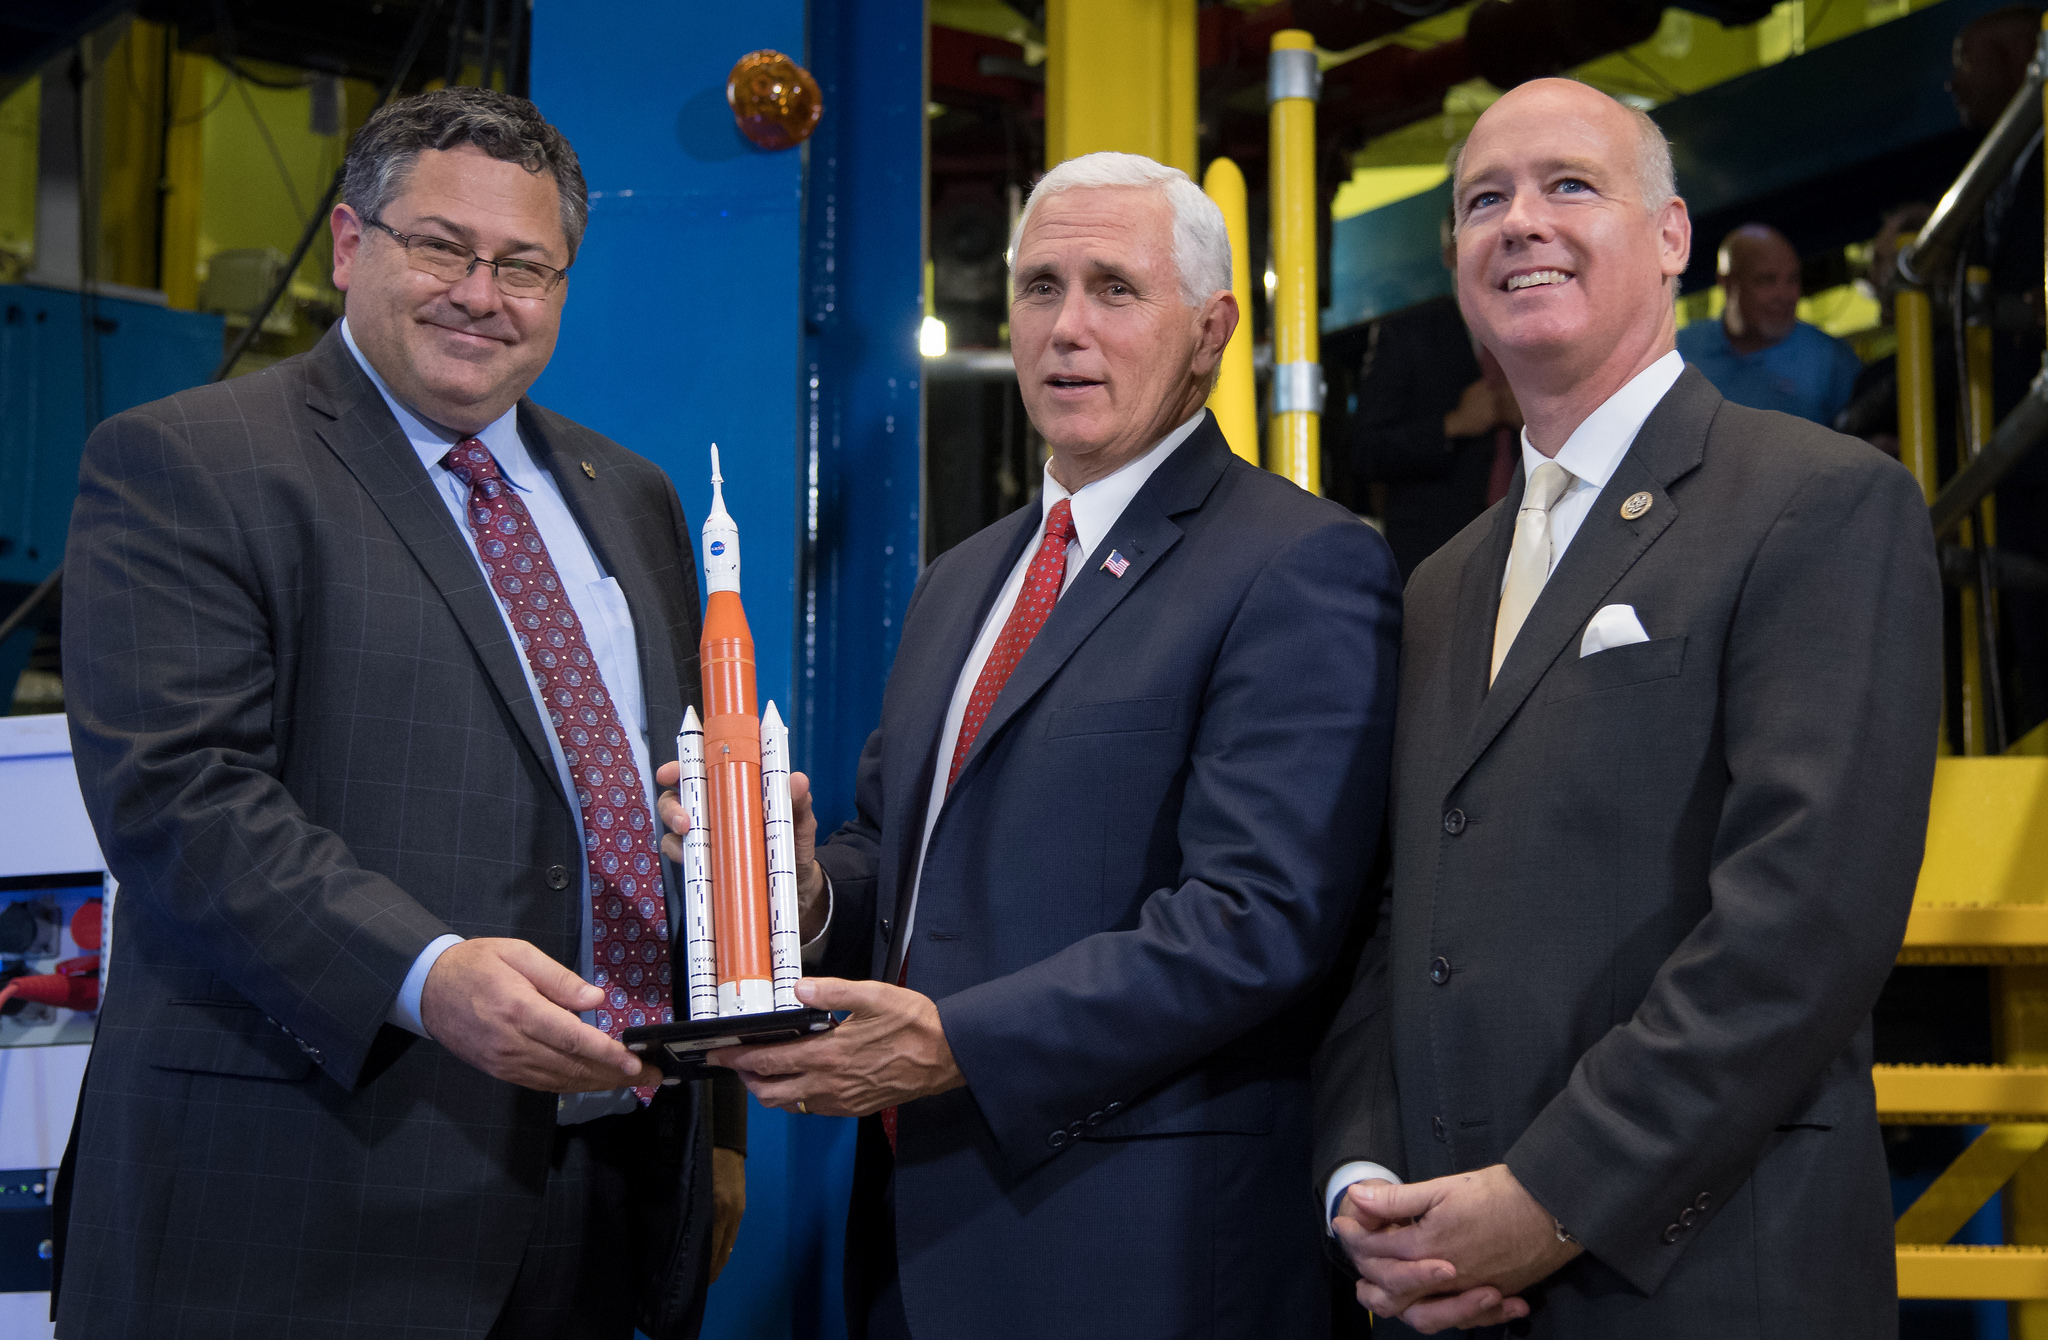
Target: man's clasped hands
[(1452, 1253)]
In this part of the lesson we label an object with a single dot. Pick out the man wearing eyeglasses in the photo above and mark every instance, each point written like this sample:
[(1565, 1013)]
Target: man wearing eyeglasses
[(370, 664)]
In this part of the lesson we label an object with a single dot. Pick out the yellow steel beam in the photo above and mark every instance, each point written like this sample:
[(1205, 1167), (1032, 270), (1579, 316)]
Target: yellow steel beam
[(1235, 398), (1120, 74), (130, 92), (1294, 438), (1987, 832), (1974, 1178), (1955, 1095), (1977, 933), (184, 181), (1973, 1272)]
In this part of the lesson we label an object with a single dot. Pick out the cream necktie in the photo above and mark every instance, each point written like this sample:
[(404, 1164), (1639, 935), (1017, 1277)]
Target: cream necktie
[(1529, 559)]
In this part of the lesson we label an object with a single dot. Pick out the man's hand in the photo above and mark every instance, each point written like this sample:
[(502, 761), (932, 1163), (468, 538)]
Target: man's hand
[(889, 1050), (728, 1205), (810, 876), (510, 1011), (1483, 1226)]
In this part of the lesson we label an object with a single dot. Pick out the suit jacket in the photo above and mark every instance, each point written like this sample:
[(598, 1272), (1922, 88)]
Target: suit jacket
[(308, 748), (1148, 860), (1643, 901)]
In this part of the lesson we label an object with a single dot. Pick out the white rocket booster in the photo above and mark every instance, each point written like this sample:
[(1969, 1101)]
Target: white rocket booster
[(700, 946), (785, 941)]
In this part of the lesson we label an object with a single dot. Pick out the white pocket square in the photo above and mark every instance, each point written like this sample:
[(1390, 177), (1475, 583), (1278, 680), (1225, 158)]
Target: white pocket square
[(1614, 626)]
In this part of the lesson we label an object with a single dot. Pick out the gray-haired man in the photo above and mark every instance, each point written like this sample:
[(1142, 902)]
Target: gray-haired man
[(371, 661), (1111, 828)]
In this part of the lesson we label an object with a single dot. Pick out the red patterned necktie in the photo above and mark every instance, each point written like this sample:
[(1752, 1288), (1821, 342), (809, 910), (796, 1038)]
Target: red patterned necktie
[(1042, 582), (1041, 591), (628, 912)]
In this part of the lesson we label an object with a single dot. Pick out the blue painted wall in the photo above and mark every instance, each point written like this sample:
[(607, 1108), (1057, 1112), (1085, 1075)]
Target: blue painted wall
[(769, 302)]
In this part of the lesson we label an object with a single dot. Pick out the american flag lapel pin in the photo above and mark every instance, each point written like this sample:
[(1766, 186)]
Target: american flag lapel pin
[(1116, 564)]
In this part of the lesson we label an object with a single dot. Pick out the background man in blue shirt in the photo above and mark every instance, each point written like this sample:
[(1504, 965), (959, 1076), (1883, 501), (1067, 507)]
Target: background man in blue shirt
[(1760, 353)]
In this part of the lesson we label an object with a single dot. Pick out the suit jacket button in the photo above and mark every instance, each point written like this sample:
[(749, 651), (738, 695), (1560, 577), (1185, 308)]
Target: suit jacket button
[(1439, 970), (1436, 1128), (1671, 1232), (1111, 1109), (1076, 1129), (1094, 1120), (1454, 822), (1702, 1202), (558, 877), (1058, 1139), (1688, 1216), (885, 925)]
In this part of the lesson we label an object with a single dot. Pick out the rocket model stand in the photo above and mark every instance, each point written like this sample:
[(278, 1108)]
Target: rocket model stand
[(741, 940), (699, 943), (785, 942)]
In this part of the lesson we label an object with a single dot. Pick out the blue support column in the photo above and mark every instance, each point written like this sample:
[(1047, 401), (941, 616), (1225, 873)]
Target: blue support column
[(864, 416), (769, 302)]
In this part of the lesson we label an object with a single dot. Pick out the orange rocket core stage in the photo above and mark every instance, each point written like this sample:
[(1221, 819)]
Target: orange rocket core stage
[(732, 776)]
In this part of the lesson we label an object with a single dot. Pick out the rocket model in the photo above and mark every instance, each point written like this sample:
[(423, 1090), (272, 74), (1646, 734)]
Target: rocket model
[(739, 858)]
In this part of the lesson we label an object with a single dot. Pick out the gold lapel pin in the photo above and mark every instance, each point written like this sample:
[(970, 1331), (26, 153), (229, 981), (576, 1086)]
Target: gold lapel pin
[(590, 471), (1637, 504)]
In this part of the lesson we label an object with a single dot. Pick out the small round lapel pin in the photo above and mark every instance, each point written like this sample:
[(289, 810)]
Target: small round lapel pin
[(1637, 504)]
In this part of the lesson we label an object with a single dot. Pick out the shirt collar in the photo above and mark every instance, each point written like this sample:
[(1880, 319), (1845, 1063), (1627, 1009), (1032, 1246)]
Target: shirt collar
[(432, 441), (1097, 504), (1596, 447)]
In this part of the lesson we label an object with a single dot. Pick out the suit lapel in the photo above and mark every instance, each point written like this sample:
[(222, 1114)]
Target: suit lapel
[(598, 517), (1143, 534), (1478, 604), (927, 671), (1669, 445), (362, 433)]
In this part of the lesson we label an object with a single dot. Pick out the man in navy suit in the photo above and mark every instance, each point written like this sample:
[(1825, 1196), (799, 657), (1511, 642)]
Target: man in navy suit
[(1112, 829)]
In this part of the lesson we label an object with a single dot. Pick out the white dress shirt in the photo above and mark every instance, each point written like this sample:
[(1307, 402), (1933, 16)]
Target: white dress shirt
[(1596, 447), (1096, 507), (607, 625), (1592, 454)]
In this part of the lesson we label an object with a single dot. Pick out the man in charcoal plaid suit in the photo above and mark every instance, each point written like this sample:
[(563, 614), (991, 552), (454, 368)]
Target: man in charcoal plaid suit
[(371, 660)]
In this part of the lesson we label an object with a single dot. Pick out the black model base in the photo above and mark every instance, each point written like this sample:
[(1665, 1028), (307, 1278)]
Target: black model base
[(679, 1048)]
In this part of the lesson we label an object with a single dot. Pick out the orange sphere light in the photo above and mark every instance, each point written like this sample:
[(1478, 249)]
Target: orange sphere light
[(774, 100)]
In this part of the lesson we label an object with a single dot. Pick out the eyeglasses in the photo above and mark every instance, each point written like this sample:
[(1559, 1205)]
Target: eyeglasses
[(453, 262)]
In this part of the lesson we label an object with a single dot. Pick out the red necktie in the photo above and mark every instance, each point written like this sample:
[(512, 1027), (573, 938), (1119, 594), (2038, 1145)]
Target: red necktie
[(1041, 591), (1042, 582), (628, 913)]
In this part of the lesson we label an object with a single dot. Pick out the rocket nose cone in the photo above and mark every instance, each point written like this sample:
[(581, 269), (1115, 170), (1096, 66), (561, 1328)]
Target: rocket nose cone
[(691, 721), (770, 718)]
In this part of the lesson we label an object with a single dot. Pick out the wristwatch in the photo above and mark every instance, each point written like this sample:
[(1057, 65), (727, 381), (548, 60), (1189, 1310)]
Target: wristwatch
[(1563, 1234)]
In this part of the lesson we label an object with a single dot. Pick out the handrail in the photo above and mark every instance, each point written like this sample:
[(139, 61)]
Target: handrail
[(2017, 435), (1924, 259)]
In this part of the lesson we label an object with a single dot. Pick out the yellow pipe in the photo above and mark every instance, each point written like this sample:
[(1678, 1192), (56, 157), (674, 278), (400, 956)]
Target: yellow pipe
[(1235, 397), (1915, 320), (1977, 411), (1294, 441)]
